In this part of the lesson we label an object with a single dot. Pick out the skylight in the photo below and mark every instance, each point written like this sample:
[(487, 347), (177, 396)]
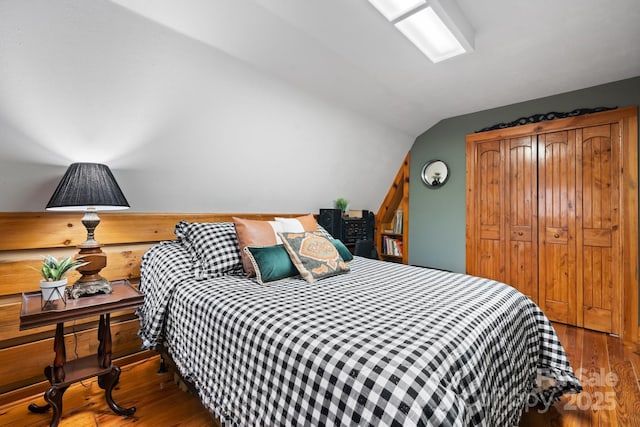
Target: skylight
[(393, 9), (437, 27)]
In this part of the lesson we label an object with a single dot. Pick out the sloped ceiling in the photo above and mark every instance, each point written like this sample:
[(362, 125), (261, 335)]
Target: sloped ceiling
[(347, 53)]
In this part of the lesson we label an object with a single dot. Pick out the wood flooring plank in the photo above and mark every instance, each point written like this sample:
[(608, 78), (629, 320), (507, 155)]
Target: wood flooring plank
[(632, 353), (572, 342), (622, 378), (563, 412), (593, 399)]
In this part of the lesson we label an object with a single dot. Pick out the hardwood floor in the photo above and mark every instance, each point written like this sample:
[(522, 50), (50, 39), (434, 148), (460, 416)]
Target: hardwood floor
[(609, 372), (159, 402), (608, 369)]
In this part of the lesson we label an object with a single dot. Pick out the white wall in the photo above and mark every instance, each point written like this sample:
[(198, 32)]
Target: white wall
[(183, 126)]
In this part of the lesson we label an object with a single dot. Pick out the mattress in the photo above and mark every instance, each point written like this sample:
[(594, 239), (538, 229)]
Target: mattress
[(385, 344)]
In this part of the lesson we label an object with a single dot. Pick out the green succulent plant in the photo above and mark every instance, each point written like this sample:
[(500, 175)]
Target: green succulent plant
[(53, 269), (342, 204)]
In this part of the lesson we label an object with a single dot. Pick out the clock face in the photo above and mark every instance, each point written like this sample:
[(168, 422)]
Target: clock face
[(435, 173)]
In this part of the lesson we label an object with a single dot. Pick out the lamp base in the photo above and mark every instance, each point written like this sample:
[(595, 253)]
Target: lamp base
[(98, 286)]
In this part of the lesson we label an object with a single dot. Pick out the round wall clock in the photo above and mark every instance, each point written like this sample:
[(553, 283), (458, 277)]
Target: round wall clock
[(435, 173)]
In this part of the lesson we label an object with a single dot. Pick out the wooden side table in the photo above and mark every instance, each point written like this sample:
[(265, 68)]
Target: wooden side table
[(61, 374)]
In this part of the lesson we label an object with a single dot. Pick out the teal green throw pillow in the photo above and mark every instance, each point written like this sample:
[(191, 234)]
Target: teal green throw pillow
[(271, 263), (342, 250)]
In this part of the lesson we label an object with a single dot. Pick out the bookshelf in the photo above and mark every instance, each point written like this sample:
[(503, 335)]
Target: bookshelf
[(392, 219)]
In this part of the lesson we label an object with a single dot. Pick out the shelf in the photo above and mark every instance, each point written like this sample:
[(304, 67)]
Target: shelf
[(394, 235), (81, 369), (397, 199), (391, 258)]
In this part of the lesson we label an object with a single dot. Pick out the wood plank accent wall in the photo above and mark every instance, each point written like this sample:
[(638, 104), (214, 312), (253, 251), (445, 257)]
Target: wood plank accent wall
[(26, 236)]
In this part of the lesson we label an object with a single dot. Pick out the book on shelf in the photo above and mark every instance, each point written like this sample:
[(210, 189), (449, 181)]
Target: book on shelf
[(397, 222), (392, 246)]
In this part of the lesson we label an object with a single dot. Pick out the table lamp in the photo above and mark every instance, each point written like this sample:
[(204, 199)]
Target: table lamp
[(89, 188)]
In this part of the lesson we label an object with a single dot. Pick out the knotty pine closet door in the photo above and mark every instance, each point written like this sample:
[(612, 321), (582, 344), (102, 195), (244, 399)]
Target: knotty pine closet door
[(598, 242), (488, 240), (521, 219), (504, 245), (557, 231), (552, 210)]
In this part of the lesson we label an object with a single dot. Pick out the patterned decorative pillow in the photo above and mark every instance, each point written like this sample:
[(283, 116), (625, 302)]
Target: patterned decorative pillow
[(213, 248), (270, 263), (252, 232), (313, 255)]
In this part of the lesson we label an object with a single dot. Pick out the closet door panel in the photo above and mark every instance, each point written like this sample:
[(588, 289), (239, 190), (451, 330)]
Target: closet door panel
[(598, 221), (521, 215), (489, 202), (557, 225)]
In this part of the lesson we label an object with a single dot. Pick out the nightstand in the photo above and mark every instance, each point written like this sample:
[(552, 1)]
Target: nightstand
[(61, 374)]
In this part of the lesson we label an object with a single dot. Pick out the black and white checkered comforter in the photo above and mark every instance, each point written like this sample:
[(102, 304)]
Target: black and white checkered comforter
[(384, 345)]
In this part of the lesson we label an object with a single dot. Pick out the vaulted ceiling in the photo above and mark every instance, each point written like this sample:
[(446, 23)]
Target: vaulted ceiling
[(347, 53)]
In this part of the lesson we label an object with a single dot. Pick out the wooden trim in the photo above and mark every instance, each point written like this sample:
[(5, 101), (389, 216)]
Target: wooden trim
[(629, 194), (594, 119), (470, 229)]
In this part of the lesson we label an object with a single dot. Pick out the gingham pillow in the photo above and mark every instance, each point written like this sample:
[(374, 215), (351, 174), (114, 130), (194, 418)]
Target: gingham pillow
[(213, 248)]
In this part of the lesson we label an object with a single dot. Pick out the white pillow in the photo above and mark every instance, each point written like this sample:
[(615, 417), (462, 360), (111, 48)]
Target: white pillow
[(290, 225), (299, 224)]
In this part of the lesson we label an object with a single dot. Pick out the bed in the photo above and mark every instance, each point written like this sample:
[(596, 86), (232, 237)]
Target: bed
[(384, 344)]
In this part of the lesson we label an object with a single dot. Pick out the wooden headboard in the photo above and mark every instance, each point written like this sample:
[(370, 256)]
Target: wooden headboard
[(25, 237)]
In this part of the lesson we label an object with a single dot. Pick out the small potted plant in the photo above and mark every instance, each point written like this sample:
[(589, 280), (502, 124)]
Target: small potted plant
[(53, 283), (342, 204)]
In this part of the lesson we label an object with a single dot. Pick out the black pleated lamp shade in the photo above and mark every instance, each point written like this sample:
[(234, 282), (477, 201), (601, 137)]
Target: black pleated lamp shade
[(87, 186)]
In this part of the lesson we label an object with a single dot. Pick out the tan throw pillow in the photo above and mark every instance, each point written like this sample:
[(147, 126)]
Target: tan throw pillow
[(313, 255), (255, 233)]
